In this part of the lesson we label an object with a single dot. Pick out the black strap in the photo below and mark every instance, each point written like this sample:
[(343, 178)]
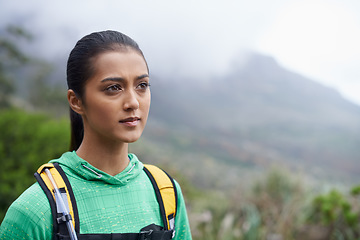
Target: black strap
[(62, 226), (143, 235), (51, 201), (167, 235), (59, 225)]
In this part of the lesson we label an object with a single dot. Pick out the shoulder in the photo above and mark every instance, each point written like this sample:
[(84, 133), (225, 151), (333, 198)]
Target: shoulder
[(32, 203), (29, 216)]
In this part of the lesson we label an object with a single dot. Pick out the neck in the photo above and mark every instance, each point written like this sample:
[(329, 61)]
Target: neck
[(108, 156)]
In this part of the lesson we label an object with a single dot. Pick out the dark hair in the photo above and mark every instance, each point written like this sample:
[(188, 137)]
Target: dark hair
[(80, 69)]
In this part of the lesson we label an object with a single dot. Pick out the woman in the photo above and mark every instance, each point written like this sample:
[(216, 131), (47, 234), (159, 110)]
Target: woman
[(109, 97)]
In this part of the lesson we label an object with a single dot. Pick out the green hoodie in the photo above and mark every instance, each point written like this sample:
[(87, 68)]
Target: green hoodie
[(123, 203)]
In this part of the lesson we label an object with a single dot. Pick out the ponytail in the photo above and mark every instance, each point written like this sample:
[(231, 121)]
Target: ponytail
[(77, 130)]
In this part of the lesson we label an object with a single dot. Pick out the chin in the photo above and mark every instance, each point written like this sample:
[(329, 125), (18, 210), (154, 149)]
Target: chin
[(131, 139)]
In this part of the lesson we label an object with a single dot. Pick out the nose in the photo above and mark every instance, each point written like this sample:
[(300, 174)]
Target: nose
[(131, 102)]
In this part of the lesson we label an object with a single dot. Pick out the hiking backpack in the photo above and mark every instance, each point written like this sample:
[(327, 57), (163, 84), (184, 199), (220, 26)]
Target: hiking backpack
[(164, 188)]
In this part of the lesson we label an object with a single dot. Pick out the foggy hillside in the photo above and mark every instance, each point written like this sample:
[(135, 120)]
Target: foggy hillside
[(256, 92), (257, 115), (243, 121)]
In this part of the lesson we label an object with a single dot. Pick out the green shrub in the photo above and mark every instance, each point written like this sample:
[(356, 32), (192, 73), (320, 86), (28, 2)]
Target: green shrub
[(26, 141), (338, 213)]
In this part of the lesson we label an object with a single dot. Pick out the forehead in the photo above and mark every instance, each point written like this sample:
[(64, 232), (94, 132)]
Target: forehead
[(119, 62)]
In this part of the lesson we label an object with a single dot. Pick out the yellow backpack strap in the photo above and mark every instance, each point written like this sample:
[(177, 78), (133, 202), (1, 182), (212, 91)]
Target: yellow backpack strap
[(64, 186), (165, 193)]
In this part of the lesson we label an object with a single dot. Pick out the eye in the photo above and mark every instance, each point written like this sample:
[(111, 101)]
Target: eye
[(113, 88), (143, 86)]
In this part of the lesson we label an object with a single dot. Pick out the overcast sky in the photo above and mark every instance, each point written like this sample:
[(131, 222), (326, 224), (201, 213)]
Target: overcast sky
[(316, 38)]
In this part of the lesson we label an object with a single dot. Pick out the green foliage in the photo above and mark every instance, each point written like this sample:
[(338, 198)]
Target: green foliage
[(338, 213), (10, 57), (252, 224), (9, 52), (24, 80), (26, 141), (278, 198), (277, 185), (272, 210), (356, 190)]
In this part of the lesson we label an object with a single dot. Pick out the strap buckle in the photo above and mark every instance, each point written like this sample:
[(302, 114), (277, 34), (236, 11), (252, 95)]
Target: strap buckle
[(64, 218), (144, 235)]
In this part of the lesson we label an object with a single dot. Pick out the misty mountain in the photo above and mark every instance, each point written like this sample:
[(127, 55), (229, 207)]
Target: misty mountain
[(258, 92), (256, 115)]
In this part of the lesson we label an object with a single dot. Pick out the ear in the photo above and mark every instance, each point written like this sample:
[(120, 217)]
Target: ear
[(74, 102)]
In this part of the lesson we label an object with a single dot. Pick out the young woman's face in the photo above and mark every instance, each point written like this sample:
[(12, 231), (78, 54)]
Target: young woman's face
[(117, 97)]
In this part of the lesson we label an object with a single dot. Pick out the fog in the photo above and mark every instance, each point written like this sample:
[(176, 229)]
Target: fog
[(203, 38)]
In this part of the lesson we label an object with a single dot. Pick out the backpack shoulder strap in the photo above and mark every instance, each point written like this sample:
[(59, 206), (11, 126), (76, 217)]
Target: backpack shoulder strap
[(66, 191), (163, 184), (166, 194)]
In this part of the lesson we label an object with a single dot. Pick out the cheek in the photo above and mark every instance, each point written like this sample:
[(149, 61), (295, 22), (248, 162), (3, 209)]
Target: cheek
[(100, 111), (146, 104)]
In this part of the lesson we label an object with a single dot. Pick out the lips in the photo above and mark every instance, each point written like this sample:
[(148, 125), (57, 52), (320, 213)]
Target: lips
[(130, 122)]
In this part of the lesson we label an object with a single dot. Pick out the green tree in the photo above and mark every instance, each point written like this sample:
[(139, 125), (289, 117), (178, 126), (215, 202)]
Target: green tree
[(26, 142), (46, 97), (24, 79), (10, 57)]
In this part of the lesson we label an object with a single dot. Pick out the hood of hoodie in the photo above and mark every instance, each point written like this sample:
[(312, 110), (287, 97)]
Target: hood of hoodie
[(73, 165)]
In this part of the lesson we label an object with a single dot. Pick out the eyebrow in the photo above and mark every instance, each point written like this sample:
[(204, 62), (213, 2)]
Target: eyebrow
[(119, 79)]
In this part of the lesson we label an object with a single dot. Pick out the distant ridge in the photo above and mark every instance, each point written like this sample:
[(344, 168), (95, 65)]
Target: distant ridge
[(258, 91), (283, 116)]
